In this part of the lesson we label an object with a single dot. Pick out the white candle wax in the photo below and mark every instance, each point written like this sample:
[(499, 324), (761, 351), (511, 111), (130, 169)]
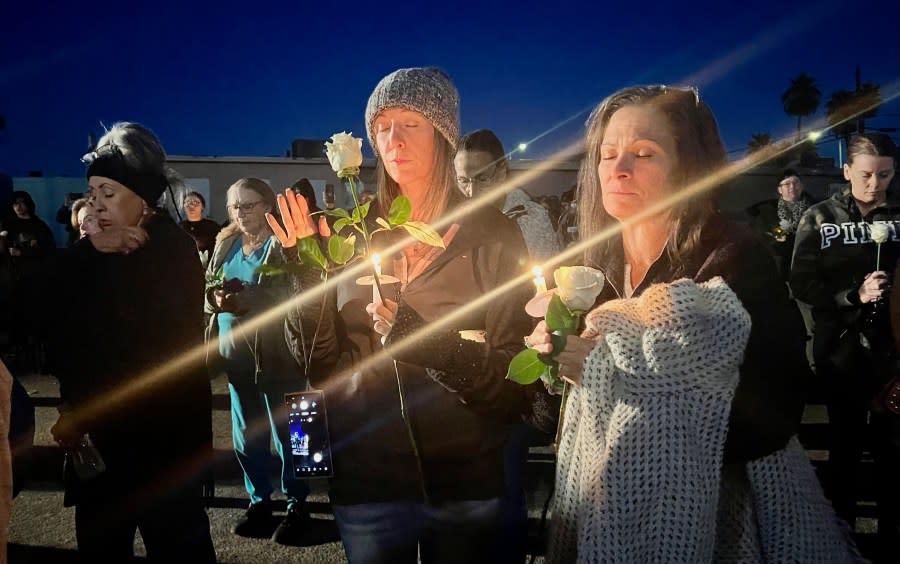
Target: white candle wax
[(540, 284)]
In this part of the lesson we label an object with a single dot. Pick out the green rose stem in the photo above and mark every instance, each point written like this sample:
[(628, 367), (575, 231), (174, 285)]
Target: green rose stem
[(562, 414), (365, 229)]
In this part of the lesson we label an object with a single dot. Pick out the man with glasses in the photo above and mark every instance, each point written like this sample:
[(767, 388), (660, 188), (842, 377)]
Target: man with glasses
[(482, 172)]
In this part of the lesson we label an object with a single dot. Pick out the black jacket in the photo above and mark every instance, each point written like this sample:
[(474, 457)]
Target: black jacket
[(128, 334), (833, 253), (768, 403), (458, 400), (765, 220)]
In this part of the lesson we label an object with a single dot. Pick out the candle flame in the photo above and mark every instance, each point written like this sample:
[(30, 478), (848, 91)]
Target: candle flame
[(376, 259), (538, 271)]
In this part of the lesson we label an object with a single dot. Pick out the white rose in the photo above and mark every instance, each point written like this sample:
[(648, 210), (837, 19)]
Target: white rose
[(880, 232), (4, 233), (578, 286), (344, 151), (785, 224)]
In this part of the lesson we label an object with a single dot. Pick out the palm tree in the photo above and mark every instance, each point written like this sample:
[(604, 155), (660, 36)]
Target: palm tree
[(758, 142), (801, 98), (847, 110)]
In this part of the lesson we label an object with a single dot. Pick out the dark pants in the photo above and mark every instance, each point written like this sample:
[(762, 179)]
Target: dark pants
[(513, 540), (174, 530), (456, 532), (853, 428)]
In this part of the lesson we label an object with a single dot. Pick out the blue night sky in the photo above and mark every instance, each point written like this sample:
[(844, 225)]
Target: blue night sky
[(215, 79)]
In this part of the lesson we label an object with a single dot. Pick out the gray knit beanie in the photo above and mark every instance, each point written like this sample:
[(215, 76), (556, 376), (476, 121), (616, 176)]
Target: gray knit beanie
[(427, 90)]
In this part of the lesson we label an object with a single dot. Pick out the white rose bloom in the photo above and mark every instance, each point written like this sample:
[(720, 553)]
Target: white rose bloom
[(880, 232), (344, 151), (578, 286)]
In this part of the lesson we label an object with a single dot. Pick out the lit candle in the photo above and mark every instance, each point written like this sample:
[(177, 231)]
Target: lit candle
[(376, 263), (540, 284)]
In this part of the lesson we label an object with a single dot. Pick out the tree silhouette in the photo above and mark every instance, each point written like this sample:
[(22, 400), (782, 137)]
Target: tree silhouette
[(758, 142), (801, 98), (847, 110)]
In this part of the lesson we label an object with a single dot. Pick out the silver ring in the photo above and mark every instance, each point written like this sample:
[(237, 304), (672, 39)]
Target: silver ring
[(527, 341)]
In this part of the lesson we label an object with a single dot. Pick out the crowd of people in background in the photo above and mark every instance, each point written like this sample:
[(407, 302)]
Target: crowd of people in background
[(688, 375)]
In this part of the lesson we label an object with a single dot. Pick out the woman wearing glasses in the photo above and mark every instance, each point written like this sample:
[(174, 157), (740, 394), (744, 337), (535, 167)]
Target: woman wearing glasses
[(251, 350), (126, 380), (687, 382)]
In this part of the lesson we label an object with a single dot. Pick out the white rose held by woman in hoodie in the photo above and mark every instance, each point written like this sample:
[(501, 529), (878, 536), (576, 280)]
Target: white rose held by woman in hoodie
[(880, 234)]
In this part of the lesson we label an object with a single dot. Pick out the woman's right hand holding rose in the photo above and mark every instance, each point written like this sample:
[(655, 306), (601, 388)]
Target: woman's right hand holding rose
[(873, 287)]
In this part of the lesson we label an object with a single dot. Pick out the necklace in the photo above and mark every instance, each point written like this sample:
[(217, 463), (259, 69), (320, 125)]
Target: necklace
[(253, 242)]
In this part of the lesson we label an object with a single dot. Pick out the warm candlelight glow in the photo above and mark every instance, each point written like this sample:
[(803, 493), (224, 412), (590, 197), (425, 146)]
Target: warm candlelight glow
[(540, 284)]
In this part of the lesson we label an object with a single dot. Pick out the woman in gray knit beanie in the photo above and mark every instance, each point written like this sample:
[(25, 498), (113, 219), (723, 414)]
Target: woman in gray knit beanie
[(418, 423), (412, 120)]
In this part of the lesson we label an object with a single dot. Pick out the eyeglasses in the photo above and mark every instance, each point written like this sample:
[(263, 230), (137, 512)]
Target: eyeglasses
[(480, 179), (246, 208), (193, 203), (483, 178)]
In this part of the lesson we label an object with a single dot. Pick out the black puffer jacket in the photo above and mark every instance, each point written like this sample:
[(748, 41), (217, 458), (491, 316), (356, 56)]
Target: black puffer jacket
[(457, 413)]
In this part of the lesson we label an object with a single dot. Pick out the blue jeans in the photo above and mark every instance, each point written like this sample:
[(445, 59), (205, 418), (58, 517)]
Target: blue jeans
[(389, 533), (255, 416)]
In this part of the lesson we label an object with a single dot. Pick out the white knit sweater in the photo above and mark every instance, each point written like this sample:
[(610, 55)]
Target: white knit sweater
[(639, 468)]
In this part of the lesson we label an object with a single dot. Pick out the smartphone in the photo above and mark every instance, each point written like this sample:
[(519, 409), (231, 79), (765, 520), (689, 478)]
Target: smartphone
[(308, 424)]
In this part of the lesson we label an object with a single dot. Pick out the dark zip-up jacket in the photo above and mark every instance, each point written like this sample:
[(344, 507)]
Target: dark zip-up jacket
[(457, 415)]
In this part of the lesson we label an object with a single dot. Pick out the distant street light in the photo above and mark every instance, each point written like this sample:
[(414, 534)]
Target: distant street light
[(522, 147), (814, 135)]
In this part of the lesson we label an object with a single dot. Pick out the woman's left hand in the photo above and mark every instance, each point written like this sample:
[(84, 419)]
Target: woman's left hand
[(298, 224), (571, 359), (65, 433), (122, 240)]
